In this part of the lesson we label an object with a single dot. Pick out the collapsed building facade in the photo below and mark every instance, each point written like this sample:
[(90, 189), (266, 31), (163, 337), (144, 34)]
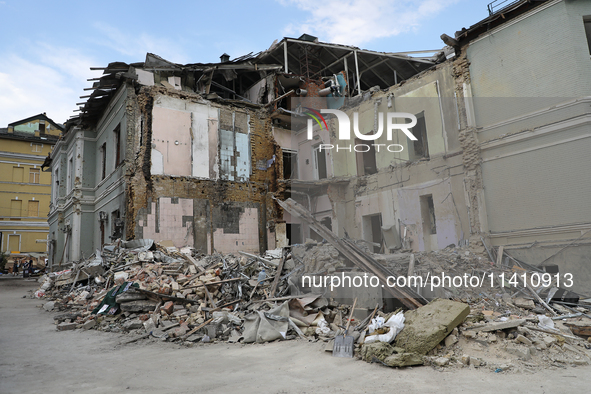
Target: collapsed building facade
[(194, 153), (183, 152)]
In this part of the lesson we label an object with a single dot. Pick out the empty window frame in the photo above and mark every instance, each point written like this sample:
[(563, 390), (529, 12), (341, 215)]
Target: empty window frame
[(587, 24), (116, 225), (290, 164), (420, 147), (36, 147), (366, 157), (372, 231), (294, 233), (103, 161), (70, 174), (117, 139), (320, 171), (428, 214), (56, 185)]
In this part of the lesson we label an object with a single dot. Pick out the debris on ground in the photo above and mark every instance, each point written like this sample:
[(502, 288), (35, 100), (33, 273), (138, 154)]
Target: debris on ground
[(173, 294), (149, 289)]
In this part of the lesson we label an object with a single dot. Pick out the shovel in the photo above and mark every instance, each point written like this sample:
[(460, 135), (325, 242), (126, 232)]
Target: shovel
[(343, 344)]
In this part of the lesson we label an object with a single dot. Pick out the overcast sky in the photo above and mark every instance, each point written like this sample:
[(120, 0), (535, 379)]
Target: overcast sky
[(47, 47)]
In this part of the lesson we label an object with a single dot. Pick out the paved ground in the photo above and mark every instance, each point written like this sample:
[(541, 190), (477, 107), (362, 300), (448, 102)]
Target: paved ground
[(35, 358)]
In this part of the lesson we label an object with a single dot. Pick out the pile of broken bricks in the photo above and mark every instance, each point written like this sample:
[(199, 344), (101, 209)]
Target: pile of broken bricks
[(188, 298), (178, 295)]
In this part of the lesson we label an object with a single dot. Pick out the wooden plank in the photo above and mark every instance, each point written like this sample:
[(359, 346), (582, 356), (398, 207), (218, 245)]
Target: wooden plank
[(194, 262), (209, 297), (539, 299), (194, 330), (277, 276), (258, 258), (411, 265), (212, 283), (500, 256)]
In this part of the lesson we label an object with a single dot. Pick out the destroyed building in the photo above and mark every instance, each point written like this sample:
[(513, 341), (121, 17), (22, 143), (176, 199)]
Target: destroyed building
[(502, 130), (194, 153), (187, 153)]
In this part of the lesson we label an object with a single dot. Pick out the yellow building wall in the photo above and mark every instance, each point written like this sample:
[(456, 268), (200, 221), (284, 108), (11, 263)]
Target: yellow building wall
[(25, 194)]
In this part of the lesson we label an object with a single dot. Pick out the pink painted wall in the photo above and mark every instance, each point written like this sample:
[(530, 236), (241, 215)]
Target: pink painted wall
[(171, 222), (247, 240), (171, 136)]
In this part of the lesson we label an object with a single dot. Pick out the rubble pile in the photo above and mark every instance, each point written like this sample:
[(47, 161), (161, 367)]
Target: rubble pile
[(157, 290), (175, 294), (505, 325), (318, 258)]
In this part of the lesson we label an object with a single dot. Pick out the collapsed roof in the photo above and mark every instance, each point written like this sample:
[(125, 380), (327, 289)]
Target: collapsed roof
[(290, 60)]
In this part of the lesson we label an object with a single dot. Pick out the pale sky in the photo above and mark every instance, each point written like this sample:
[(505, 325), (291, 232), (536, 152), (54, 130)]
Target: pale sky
[(47, 47)]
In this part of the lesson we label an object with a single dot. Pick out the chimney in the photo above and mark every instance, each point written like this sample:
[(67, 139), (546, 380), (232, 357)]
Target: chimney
[(224, 58)]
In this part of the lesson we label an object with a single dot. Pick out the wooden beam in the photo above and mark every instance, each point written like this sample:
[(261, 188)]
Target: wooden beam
[(277, 276), (347, 248), (500, 256)]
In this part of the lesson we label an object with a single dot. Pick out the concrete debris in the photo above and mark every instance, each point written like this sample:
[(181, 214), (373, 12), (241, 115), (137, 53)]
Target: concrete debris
[(66, 326), (379, 351), (427, 326), (89, 324), (190, 298), (403, 360), (145, 286), (502, 325), (450, 340), (441, 361)]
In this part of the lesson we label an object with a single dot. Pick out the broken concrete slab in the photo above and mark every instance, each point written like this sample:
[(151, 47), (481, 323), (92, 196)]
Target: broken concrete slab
[(133, 324), (425, 327), (139, 306), (521, 339), (376, 350), (89, 324), (520, 351), (129, 295), (66, 326), (66, 316), (404, 360), (450, 340), (524, 303), (441, 361), (503, 325), (48, 306)]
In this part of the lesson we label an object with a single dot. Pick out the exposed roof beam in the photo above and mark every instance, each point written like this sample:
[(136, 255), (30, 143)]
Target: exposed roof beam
[(424, 51), (364, 51), (396, 71), (376, 74), (340, 59)]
